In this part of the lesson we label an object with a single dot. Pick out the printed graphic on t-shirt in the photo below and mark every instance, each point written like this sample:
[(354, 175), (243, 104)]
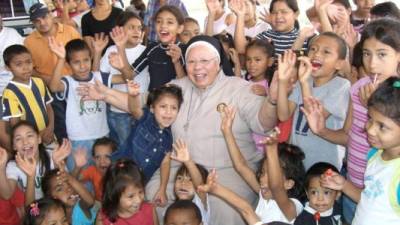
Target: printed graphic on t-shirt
[(373, 187), (301, 126)]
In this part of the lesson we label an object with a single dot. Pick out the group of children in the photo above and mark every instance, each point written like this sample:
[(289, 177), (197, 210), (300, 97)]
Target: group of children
[(336, 88)]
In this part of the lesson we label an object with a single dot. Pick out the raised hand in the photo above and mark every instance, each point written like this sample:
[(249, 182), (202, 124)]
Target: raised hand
[(259, 90), (286, 65), (211, 183), (265, 16), (333, 181), (119, 36), (350, 36), (227, 117), (80, 157), (61, 152), (99, 42), (314, 112), (238, 7), (307, 32), (305, 68), (272, 138), (212, 6), (181, 151), (175, 52), (133, 88), (90, 91), (47, 135), (57, 47), (3, 157), (116, 61), (234, 55), (365, 92), (160, 199), (28, 165)]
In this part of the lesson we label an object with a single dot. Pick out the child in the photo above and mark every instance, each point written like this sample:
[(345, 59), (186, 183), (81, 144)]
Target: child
[(150, 140), (188, 177), (12, 210), (27, 97), (284, 25), (85, 120), (321, 200), (119, 121), (45, 211), (317, 77), (60, 185), (102, 150), (123, 200), (279, 187), (361, 15), (29, 153), (183, 212), (218, 19), (191, 29), (382, 178), (163, 59), (380, 43)]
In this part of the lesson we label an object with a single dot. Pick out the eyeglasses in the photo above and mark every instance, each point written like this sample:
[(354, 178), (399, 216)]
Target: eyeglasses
[(201, 62)]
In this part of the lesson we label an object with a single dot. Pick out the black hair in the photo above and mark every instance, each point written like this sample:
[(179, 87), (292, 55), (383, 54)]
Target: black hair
[(342, 51), (357, 56), (386, 9), (291, 161), (385, 30), (119, 175), (386, 99), (184, 171), (139, 4), (225, 38), (36, 212), (184, 205), (269, 51), (317, 170), (167, 89), (13, 50), (191, 20), (104, 141), (73, 46), (173, 10), (125, 16), (292, 4), (46, 181), (44, 158), (345, 3)]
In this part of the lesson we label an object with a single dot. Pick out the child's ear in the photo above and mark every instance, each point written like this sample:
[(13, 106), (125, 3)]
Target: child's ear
[(288, 184)]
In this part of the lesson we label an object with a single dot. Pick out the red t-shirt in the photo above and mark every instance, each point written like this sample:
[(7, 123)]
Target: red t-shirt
[(143, 217), (8, 208)]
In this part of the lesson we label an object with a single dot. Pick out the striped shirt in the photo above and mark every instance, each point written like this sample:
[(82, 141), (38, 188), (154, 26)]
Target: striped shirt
[(357, 146), (27, 101)]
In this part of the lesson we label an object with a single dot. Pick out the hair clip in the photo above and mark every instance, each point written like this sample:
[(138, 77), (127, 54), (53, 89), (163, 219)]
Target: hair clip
[(34, 211), (396, 84), (121, 165)]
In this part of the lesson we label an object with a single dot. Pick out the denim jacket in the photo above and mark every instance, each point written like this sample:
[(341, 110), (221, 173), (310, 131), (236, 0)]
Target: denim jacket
[(146, 144)]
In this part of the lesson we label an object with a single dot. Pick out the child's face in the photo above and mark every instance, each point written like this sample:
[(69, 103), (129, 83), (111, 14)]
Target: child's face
[(21, 66), (102, 160), (182, 217), (257, 62), (81, 64), (190, 30), (26, 142), (184, 188), (282, 17), (250, 11), (324, 55), (364, 6), (383, 133), (55, 217), (134, 30), (380, 59), (320, 199), (63, 192), (165, 110), (130, 201), (264, 179), (167, 27)]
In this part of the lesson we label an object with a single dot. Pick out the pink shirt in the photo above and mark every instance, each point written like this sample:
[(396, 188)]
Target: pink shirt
[(357, 146)]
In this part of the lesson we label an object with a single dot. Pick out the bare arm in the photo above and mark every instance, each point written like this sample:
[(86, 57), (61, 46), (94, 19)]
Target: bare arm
[(164, 172), (337, 182), (285, 70), (55, 84), (134, 100), (238, 7), (7, 186)]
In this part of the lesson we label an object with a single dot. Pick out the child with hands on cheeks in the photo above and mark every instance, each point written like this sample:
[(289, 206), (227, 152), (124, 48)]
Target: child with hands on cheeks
[(31, 162), (279, 178), (382, 178), (188, 177)]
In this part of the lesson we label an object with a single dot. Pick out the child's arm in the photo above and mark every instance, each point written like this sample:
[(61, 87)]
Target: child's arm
[(211, 7), (7, 186), (239, 162), (181, 154), (237, 69), (336, 182), (28, 166), (229, 196), (238, 7), (160, 199), (134, 99), (304, 75), (99, 42), (120, 39), (275, 179), (175, 52), (55, 84), (285, 70), (305, 33), (80, 159), (322, 11), (48, 133)]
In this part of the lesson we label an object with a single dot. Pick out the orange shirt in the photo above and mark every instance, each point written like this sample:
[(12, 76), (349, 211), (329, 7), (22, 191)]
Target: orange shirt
[(93, 175), (44, 60)]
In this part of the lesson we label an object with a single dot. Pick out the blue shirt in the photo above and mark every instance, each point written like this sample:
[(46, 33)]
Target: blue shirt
[(147, 144), (80, 218)]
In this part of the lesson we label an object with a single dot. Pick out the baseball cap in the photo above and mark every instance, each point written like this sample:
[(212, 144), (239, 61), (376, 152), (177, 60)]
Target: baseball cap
[(38, 10)]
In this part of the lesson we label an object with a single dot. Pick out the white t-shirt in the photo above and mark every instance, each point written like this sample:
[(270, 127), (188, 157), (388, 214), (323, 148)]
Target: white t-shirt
[(132, 54), (15, 173), (205, 213), (251, 32), (269, 211), (85, 120)]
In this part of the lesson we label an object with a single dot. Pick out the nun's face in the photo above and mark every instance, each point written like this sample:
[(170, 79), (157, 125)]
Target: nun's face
[(202, 66)]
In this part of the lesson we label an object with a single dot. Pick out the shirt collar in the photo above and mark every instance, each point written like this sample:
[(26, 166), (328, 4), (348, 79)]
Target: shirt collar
[(328, 212)]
